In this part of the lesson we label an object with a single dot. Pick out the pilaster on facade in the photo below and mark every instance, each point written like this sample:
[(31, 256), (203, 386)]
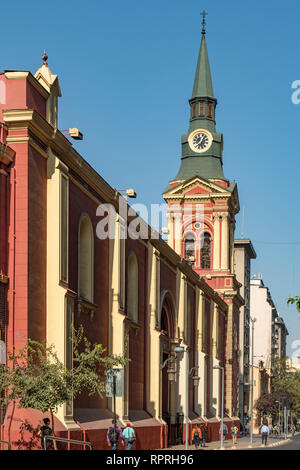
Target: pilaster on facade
[(182, 305), (154, 352), (225, 242), (200, 391), (60, 303), (217, 238), (118, 328)]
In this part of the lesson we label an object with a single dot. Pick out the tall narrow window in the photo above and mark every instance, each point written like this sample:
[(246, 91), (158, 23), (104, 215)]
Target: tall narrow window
[(202, 108), (193, 110), (206, 251), (210, 110), (64, 194), (189, 246), (132, 288), (86, 259)]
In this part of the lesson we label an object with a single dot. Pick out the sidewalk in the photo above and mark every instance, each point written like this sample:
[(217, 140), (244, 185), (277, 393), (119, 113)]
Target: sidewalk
[(242, 443)]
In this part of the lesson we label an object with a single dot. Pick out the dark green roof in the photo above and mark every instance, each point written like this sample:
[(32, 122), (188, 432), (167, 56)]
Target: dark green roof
[(203, 166), (203, 83)]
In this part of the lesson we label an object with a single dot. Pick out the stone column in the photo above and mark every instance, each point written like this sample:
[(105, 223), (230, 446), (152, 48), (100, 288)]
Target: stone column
[(200, 356), (178, 232), (153, 379), (117, 327), (216, 254), (225, 242), (170, 217)]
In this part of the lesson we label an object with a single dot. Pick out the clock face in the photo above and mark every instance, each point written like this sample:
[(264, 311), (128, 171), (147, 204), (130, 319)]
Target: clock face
[(200, 141)]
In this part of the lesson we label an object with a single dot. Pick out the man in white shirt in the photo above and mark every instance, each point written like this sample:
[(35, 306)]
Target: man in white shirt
[(265, 431)]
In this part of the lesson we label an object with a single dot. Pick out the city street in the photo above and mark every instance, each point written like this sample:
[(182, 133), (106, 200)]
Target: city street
[(274, 443), (292, 444)]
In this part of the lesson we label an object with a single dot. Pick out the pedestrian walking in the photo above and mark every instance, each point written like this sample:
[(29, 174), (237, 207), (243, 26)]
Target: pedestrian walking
[(270, 429), (234, 432), (265, 431), (293, 429), (114, 435), (203, 434), (224, 431), (196, 436), (43, 431), (129, 436)]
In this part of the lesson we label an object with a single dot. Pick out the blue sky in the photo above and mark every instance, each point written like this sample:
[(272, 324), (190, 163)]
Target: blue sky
[(126, 71)]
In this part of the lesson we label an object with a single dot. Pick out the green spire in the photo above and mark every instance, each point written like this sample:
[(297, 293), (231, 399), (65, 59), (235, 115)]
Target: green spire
[(203, 84), (208, 163)]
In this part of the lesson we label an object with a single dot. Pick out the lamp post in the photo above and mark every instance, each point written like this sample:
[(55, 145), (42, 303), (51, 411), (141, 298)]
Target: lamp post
[(253, 320), (222, 407), (279, 415), (189, 372)]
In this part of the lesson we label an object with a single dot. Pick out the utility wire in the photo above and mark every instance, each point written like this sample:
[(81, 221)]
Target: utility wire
[(278, 243)]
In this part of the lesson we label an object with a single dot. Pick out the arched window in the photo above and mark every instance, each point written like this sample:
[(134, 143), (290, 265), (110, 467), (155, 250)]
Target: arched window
[(86, 259), (164, 322), (205, 251), (189, 246), (167, 314), (133, 288)]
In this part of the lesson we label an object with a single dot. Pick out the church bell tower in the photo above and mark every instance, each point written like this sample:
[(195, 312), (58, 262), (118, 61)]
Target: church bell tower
[(202, 205)]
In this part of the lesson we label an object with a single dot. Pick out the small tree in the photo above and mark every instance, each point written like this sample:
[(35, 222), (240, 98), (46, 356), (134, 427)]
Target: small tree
[(38, 379), (295, 300)]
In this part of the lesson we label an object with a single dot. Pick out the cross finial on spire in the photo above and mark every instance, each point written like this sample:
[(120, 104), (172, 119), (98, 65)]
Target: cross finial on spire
[(45, 57), (204, 14)]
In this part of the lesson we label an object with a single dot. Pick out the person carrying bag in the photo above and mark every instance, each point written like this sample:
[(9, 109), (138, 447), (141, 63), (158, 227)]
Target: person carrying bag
[(129, 436)]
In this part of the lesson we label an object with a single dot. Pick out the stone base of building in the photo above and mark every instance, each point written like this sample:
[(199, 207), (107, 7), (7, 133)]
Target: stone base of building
[(21, 429)]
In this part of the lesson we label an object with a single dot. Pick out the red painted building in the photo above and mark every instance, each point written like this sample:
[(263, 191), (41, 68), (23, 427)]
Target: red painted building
[(55, 269)]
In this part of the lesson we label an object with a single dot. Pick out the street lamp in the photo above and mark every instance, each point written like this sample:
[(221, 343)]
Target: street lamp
[(253, 320), (171, 369), (196, 378), (279, 415), (127, 193), (222, 407)]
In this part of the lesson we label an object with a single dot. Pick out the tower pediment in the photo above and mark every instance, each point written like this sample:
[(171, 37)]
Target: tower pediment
[(196, 186)]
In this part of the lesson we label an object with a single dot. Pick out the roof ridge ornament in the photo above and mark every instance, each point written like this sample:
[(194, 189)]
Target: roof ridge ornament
[(45, 57), (204, 14)]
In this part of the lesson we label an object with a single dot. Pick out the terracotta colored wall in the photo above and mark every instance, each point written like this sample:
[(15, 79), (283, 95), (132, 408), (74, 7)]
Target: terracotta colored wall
[(137, 339), (96, 329), (18, 250), (35, 101), (19, 94), (37, 226), (167, 279)]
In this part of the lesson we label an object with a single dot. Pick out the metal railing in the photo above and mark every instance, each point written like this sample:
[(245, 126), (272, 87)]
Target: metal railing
[(7, 443), (62, 439)]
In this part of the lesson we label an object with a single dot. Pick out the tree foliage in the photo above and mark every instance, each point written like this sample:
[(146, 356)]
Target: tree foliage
[(295, 300), (285, 383), (268, 404), (36, 378)]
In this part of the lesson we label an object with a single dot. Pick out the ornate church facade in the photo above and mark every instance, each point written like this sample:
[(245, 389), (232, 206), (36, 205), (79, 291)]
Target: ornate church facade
[(157, 296)]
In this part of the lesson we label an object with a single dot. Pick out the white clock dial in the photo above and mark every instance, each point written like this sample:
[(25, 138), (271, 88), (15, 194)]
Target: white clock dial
[(200, 141)]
